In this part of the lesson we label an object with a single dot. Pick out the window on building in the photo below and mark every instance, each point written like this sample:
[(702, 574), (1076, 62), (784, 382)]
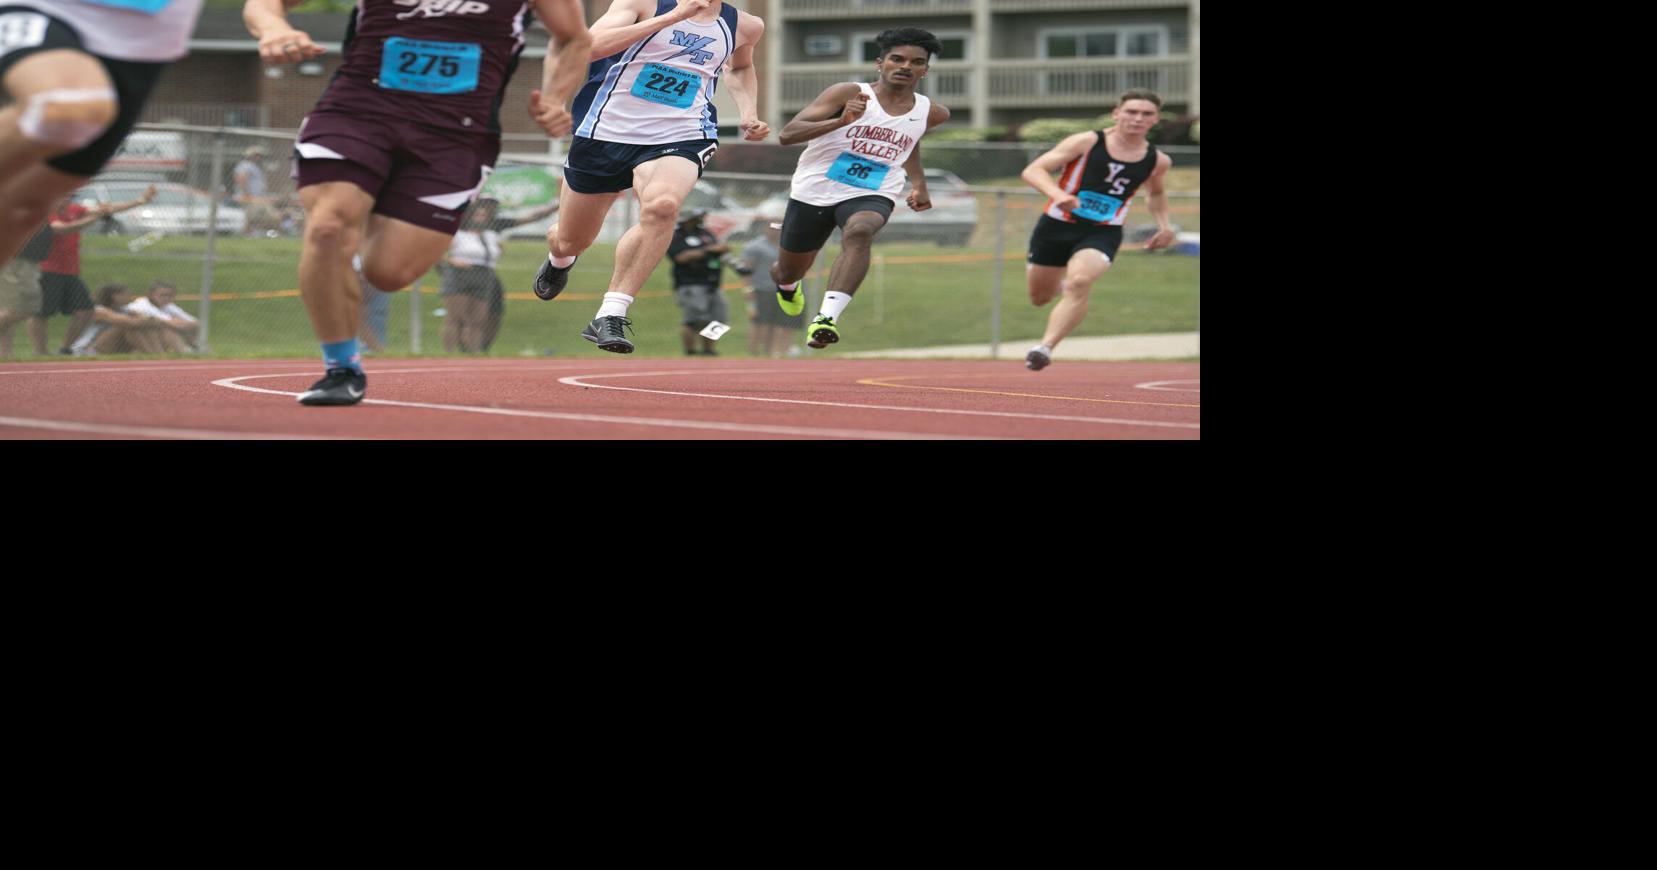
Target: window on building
[(1105, 42), (955, 47)]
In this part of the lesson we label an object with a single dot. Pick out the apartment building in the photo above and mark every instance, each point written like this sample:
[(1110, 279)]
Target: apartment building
[(1004, 61)]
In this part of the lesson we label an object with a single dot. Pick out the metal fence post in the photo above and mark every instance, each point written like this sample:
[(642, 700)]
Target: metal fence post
[(414, 314), (215, 184), (1000, 262)]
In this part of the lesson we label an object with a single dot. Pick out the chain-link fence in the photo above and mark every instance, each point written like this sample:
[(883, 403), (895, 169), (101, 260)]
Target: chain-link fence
[(226, 228)]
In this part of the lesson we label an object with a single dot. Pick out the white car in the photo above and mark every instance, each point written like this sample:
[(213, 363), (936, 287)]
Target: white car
[(175, 209)]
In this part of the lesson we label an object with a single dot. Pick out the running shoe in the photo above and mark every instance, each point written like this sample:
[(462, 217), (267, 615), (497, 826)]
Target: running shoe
[(823, 332), (337, 387), (1038, 358), (606, 333), (796, 307), (550, 281)]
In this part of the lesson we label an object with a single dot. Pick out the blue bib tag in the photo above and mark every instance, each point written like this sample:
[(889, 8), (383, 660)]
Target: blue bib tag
[(858, 171), (1096, 206), (667, 85), (426, 67), (148, 7)]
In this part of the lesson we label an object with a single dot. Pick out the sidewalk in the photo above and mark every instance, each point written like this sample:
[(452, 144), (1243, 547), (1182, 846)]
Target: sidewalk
[(1170, 345)]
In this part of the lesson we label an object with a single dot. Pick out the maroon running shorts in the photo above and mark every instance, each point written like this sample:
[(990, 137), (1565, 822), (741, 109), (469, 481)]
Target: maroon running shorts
[(415, 173)]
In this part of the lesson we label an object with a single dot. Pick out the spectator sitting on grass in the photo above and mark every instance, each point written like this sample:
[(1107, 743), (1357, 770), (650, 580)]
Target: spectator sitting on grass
[(180, 334), (113, 331)]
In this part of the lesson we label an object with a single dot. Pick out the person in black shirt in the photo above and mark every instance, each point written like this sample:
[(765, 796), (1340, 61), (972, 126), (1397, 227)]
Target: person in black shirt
[(698, 261)]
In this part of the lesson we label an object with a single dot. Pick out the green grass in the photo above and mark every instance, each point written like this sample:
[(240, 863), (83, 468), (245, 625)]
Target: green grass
[(906, 305)]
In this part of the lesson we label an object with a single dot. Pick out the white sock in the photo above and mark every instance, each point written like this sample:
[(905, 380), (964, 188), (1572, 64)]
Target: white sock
[(561, 262), (615, 305), (1044, 349), (834, 302), (788, 287)]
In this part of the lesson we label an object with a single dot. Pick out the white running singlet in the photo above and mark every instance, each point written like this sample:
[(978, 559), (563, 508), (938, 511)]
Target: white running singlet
[(660, 89), (863, 158), (146, 31)]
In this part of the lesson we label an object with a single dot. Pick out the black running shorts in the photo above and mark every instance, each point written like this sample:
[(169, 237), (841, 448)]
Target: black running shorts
[(1054, 242), (21, 37), (807, 227)]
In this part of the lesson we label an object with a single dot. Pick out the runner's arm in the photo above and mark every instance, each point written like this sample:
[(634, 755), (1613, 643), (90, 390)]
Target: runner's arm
[(560, 80), (744, 80), (825, 114), (629, 21), (279, 42), (1157, 200), (1039, 174)]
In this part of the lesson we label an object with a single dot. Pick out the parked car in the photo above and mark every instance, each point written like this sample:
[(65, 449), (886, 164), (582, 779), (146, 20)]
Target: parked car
[(725, 216), (727, 219), (176, 209), (950, 221)]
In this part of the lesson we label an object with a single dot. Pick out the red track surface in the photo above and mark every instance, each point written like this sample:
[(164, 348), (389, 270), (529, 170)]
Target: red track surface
[(605, 397)]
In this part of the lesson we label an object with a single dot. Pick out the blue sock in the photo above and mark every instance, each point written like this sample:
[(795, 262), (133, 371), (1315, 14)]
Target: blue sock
[(342, 355)]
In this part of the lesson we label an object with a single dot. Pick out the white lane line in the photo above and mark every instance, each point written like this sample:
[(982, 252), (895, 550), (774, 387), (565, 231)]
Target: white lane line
[(1158, 385), (155, 432), (133, 368), (576, 381), (874, 434)]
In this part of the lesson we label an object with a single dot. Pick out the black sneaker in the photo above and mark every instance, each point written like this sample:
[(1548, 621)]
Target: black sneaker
[(1037, 359), (606, 333), (338, 387), (550, 281)]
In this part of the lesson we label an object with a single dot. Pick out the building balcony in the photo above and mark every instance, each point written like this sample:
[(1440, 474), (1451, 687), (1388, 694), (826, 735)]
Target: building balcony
[(948, 83), (1081, 5), (1041, 83), (801, 9), (1014, 84)]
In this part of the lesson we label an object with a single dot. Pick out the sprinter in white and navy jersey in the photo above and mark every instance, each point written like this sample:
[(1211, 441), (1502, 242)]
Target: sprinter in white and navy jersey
[(1080, 230), (77, 73), (645, 120), (848, 177)]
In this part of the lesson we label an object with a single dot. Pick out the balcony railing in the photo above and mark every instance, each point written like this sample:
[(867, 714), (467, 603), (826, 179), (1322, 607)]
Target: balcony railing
[(873, 8), (949, 83), (1042, 83), (1014, 83), (1072, 5)]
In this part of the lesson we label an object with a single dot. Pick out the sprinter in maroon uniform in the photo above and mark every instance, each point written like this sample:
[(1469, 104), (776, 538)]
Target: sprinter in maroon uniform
[(402, 141)]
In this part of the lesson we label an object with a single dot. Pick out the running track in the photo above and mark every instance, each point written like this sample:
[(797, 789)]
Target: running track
[(606, 397)]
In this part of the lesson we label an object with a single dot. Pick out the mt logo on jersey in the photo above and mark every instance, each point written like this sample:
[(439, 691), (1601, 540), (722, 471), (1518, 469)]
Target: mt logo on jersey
[(692, 46)]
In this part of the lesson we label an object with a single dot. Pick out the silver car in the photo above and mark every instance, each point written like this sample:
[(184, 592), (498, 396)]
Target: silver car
[(176, 209)]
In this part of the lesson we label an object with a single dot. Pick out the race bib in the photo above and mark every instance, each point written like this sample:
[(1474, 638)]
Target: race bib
[(148, 7), (425, 67), (858, 171), (1096, 206), (667, 85), (21, 30)]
